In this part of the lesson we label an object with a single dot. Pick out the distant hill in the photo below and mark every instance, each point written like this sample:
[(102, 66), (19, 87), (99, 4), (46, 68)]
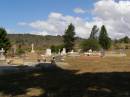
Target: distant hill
[(39, 41)]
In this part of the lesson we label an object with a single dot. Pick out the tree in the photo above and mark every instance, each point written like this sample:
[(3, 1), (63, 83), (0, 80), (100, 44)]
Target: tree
[(126, 39), (92, 41), (69, 38), (104, 40), (94, 31), (122, 40), (53, 49), (90, 44), (4, 41)]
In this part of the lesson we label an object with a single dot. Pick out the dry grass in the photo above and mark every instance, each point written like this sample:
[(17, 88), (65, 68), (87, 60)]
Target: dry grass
[(98, 64)]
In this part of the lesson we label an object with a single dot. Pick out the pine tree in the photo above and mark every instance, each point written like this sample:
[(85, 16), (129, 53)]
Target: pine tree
[(104, 40), (69, 38), (4, 41), (126, 39), (92, 42), (94, 31)]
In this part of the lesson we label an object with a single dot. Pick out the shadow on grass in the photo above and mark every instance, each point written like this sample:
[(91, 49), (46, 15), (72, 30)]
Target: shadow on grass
[(56, 82)]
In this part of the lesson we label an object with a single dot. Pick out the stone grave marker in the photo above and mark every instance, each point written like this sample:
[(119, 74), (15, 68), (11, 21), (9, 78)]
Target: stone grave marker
[(90, 51), (72, 51), (2, 56), (63, 51), (48, 52), (32, 51)]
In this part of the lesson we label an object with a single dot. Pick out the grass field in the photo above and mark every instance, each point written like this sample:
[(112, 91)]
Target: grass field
[(98, 64), (91, 77)]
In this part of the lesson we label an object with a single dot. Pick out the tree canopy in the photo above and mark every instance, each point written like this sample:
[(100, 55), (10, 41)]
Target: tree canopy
[(92, 41), (69, 38), (4, 41), (94, 31), (104, 39)]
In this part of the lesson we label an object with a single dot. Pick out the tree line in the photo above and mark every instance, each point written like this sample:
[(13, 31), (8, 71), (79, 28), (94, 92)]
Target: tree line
[(98, 39), (94, 42)]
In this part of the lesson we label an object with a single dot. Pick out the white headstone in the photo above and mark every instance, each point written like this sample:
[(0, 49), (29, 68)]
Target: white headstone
[(48, 52), (63, 51), (90, 50), (59, 52), (14, 49), (32, 51), (72, 51), (2, 56)]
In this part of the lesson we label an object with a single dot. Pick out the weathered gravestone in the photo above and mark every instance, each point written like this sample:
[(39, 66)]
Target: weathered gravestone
[(32, 51), (2, 56), (48, 52), (72, 51), (89, 52), (63, 51)]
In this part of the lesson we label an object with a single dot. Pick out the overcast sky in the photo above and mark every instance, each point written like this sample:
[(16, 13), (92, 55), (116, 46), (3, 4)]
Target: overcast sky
[(51, 17)]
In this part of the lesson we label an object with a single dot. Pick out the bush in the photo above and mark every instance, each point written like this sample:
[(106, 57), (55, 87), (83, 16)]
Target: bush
[(55, 49), (90, 44), (4, 41), (20, 50)]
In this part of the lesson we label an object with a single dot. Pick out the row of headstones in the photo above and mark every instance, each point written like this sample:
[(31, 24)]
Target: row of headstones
[(2, 51), (49, 52)]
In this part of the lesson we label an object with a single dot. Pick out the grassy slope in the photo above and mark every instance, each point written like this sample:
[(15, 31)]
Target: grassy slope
[(39, 41)]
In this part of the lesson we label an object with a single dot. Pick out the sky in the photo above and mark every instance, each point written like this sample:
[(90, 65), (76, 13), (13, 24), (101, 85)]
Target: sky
[(51, 17)]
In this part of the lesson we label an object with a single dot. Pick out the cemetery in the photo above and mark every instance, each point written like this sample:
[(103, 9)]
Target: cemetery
[(74, 70), (69, 48), (49, 74), (84, 59), (69, 60), (63, 71)]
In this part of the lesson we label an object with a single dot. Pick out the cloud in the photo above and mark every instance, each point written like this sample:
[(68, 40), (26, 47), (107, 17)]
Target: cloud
[(39, 32), (57, 23), (79, 11), (114, 15), (10, 31)]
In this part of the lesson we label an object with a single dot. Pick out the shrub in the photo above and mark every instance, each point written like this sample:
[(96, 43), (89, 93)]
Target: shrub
[(90, 44), (55, 49)]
